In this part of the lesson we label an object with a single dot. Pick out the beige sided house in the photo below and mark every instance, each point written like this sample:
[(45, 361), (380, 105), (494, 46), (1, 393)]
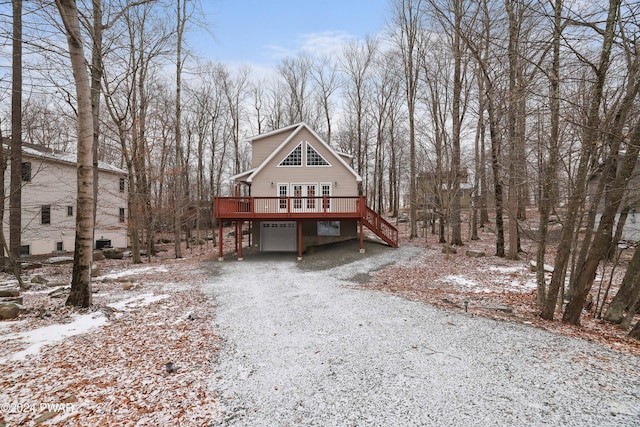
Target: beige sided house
[(49, 203), (302, 193)]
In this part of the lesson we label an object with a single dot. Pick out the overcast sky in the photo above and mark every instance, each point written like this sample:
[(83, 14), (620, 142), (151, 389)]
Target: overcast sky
[(260, 32)]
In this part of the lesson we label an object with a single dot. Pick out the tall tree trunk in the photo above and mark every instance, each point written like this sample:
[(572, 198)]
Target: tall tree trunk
[(178, 190), (512, 128), (549, 173), (456, 222), (81, 277), (628, 293), (407, 15), (576, 199), (15, 197), (602, 239), (96, 90)]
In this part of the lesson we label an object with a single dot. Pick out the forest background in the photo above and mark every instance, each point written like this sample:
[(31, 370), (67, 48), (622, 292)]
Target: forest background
[(534, 103)]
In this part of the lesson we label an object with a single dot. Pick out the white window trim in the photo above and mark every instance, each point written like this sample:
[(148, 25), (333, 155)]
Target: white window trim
[(302, 157), (306, 160)]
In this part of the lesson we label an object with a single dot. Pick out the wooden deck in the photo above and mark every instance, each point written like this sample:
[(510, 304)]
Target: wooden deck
[(241, 209)]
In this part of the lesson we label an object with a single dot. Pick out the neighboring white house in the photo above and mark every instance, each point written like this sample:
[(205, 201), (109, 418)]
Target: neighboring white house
[(49, 203)]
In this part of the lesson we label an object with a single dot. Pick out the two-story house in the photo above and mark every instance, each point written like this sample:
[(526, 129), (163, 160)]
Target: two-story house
[(49, 202), (302, 193)]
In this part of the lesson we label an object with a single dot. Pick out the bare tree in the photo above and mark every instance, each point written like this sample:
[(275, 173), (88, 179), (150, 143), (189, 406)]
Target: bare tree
[(80, 294), (296, 73), (386, 93), (181, 20), (549, 173), (235, 89), (589, 136), (15, 196), (407, 17), (325, 74)]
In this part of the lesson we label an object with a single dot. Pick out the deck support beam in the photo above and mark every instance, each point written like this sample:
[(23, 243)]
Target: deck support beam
[(299, 224), (220, 257), (361, 236), (239, 239)]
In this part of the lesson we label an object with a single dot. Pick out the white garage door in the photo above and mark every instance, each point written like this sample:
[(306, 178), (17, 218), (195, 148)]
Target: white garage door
[(278, 236)]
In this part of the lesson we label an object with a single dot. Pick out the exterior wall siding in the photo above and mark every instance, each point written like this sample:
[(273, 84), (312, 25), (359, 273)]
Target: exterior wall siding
[(53, 184), (263, 147), (343, 181)]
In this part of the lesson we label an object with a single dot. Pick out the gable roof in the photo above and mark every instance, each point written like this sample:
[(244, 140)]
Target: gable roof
[(297, 128), (49, 154)]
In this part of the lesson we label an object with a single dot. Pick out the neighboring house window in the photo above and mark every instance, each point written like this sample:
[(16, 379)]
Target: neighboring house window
[(59, 246), (45, 214), (26, 171), (326, 194), (122, 185), (294, 158), (282, 192), (25, 250), (314, 158), (69, 210), (121, 214)]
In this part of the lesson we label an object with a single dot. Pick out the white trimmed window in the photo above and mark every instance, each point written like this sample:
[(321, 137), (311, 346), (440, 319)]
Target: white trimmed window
[(314, 158), (325, 188), (283, 193), (294, 158)]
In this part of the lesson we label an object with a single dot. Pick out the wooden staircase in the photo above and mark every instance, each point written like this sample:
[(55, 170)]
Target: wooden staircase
[(381, 227)]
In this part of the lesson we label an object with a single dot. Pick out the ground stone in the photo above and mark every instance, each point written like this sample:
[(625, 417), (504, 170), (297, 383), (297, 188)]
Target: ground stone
[(9, 292), (55, 284), (60, 260), (533, 266), (501, 308), (31, 266), (10, 310), (472, 253), (39, 280), (60, 293), (113, 253), (17, 300)]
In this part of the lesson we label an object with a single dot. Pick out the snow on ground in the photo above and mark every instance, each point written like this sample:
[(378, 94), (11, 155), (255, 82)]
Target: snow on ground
[(47, 335), (107, 365), (497, 279), (132, 272), (137, 301), (310, 348), (461, 281)]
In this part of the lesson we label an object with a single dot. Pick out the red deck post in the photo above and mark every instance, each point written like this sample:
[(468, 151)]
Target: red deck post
[(220, 257), (239, 237), (299, 240)]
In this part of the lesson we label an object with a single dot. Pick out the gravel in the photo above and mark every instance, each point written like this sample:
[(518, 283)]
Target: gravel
[(308, 347)]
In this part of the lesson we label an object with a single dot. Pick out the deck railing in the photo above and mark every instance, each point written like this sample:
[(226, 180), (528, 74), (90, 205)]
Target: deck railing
[(330, 208), (288, 207)]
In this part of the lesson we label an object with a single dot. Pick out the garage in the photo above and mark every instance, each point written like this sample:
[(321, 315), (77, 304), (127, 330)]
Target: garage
[(278, 236)]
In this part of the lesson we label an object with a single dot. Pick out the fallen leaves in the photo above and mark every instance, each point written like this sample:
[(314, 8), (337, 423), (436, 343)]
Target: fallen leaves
[(117, 374), (494, 287)]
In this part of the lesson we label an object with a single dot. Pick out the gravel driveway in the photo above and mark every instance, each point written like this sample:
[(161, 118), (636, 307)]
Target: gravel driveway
[(306, 347)]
